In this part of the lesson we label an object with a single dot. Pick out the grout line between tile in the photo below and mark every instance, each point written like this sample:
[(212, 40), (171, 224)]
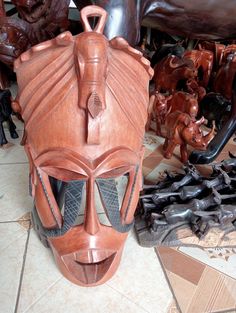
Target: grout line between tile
[(167, 279), (42, 295), (15, 221), (128, 298), (22, 270), (227, 311), (14, 163)]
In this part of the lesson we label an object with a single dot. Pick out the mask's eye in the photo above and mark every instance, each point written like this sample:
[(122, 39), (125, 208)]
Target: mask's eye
[(115, 193)]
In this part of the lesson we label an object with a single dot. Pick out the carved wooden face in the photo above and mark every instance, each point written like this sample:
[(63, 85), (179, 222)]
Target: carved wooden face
[(84, 143)]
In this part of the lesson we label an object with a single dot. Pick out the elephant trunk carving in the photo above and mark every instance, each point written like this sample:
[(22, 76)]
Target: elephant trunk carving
[(91, 53)]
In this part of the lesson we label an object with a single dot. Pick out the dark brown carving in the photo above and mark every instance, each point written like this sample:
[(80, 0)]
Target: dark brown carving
[(172, 70), (225, 74), (203, 62), (207, 20), (193, 88), (77, 97), (185, 201), (47, 18), (14, 39)]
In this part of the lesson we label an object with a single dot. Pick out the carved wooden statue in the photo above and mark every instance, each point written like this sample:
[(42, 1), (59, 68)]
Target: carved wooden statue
[(183, 130), (158, 107), (46, 18), (77, 96), (203, 62), (171, 71)]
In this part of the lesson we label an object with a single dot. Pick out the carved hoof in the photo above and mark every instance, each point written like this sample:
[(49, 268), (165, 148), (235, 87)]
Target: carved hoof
[(3, 142), (14, 135)]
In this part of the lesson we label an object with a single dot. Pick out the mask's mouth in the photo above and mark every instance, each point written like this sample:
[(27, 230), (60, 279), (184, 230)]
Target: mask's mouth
[(32, 13), (89, 266)]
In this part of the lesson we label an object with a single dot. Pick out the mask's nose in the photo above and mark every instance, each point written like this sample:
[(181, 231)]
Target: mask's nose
[(91, 222)]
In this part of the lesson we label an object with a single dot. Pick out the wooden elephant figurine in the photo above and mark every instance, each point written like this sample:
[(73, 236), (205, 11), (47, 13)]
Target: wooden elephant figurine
[(170, 71), (182, 130), (5, 116), (203, 61)]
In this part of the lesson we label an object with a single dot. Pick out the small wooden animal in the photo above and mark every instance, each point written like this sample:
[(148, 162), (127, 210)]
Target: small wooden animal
[(182, 130), (171, 71)]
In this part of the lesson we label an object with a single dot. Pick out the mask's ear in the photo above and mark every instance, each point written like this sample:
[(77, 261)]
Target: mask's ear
[(47, 208)]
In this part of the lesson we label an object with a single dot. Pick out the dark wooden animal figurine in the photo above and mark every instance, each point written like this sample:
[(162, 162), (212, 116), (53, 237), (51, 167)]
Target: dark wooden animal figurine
[(47, 18), (165, 50), (215, 107), (171, 71), (221, 138), (182, 130), (5, 116), (224, 77), (203, 62)]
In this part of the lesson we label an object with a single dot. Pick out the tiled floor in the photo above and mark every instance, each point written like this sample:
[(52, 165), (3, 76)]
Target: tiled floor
[(201, 281)]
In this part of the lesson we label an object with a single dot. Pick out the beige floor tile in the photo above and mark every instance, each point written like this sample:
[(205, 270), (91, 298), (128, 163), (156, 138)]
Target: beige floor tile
[(13, 152), (14, 195), (66, 297), (39, 275), (154, 175), (225, 265), (141, 279), (9, 232), (11, 260)]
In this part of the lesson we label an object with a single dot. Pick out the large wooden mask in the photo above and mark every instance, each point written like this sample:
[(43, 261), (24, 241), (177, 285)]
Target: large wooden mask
[(84, 102)]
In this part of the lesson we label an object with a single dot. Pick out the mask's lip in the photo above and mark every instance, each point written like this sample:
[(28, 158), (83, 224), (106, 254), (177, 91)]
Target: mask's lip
[(90, 255), (89, 266)]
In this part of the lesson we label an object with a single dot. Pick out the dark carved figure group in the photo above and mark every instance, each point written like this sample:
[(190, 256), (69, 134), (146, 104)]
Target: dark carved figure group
[(190, 199)]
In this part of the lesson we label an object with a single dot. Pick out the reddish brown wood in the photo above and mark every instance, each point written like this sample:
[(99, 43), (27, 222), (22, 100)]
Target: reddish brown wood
[(193, 88), (158, 108), (46, 18), (203, 62), (184, 102), (183, 130), (224, 78), (77, 96), (170, 71)]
